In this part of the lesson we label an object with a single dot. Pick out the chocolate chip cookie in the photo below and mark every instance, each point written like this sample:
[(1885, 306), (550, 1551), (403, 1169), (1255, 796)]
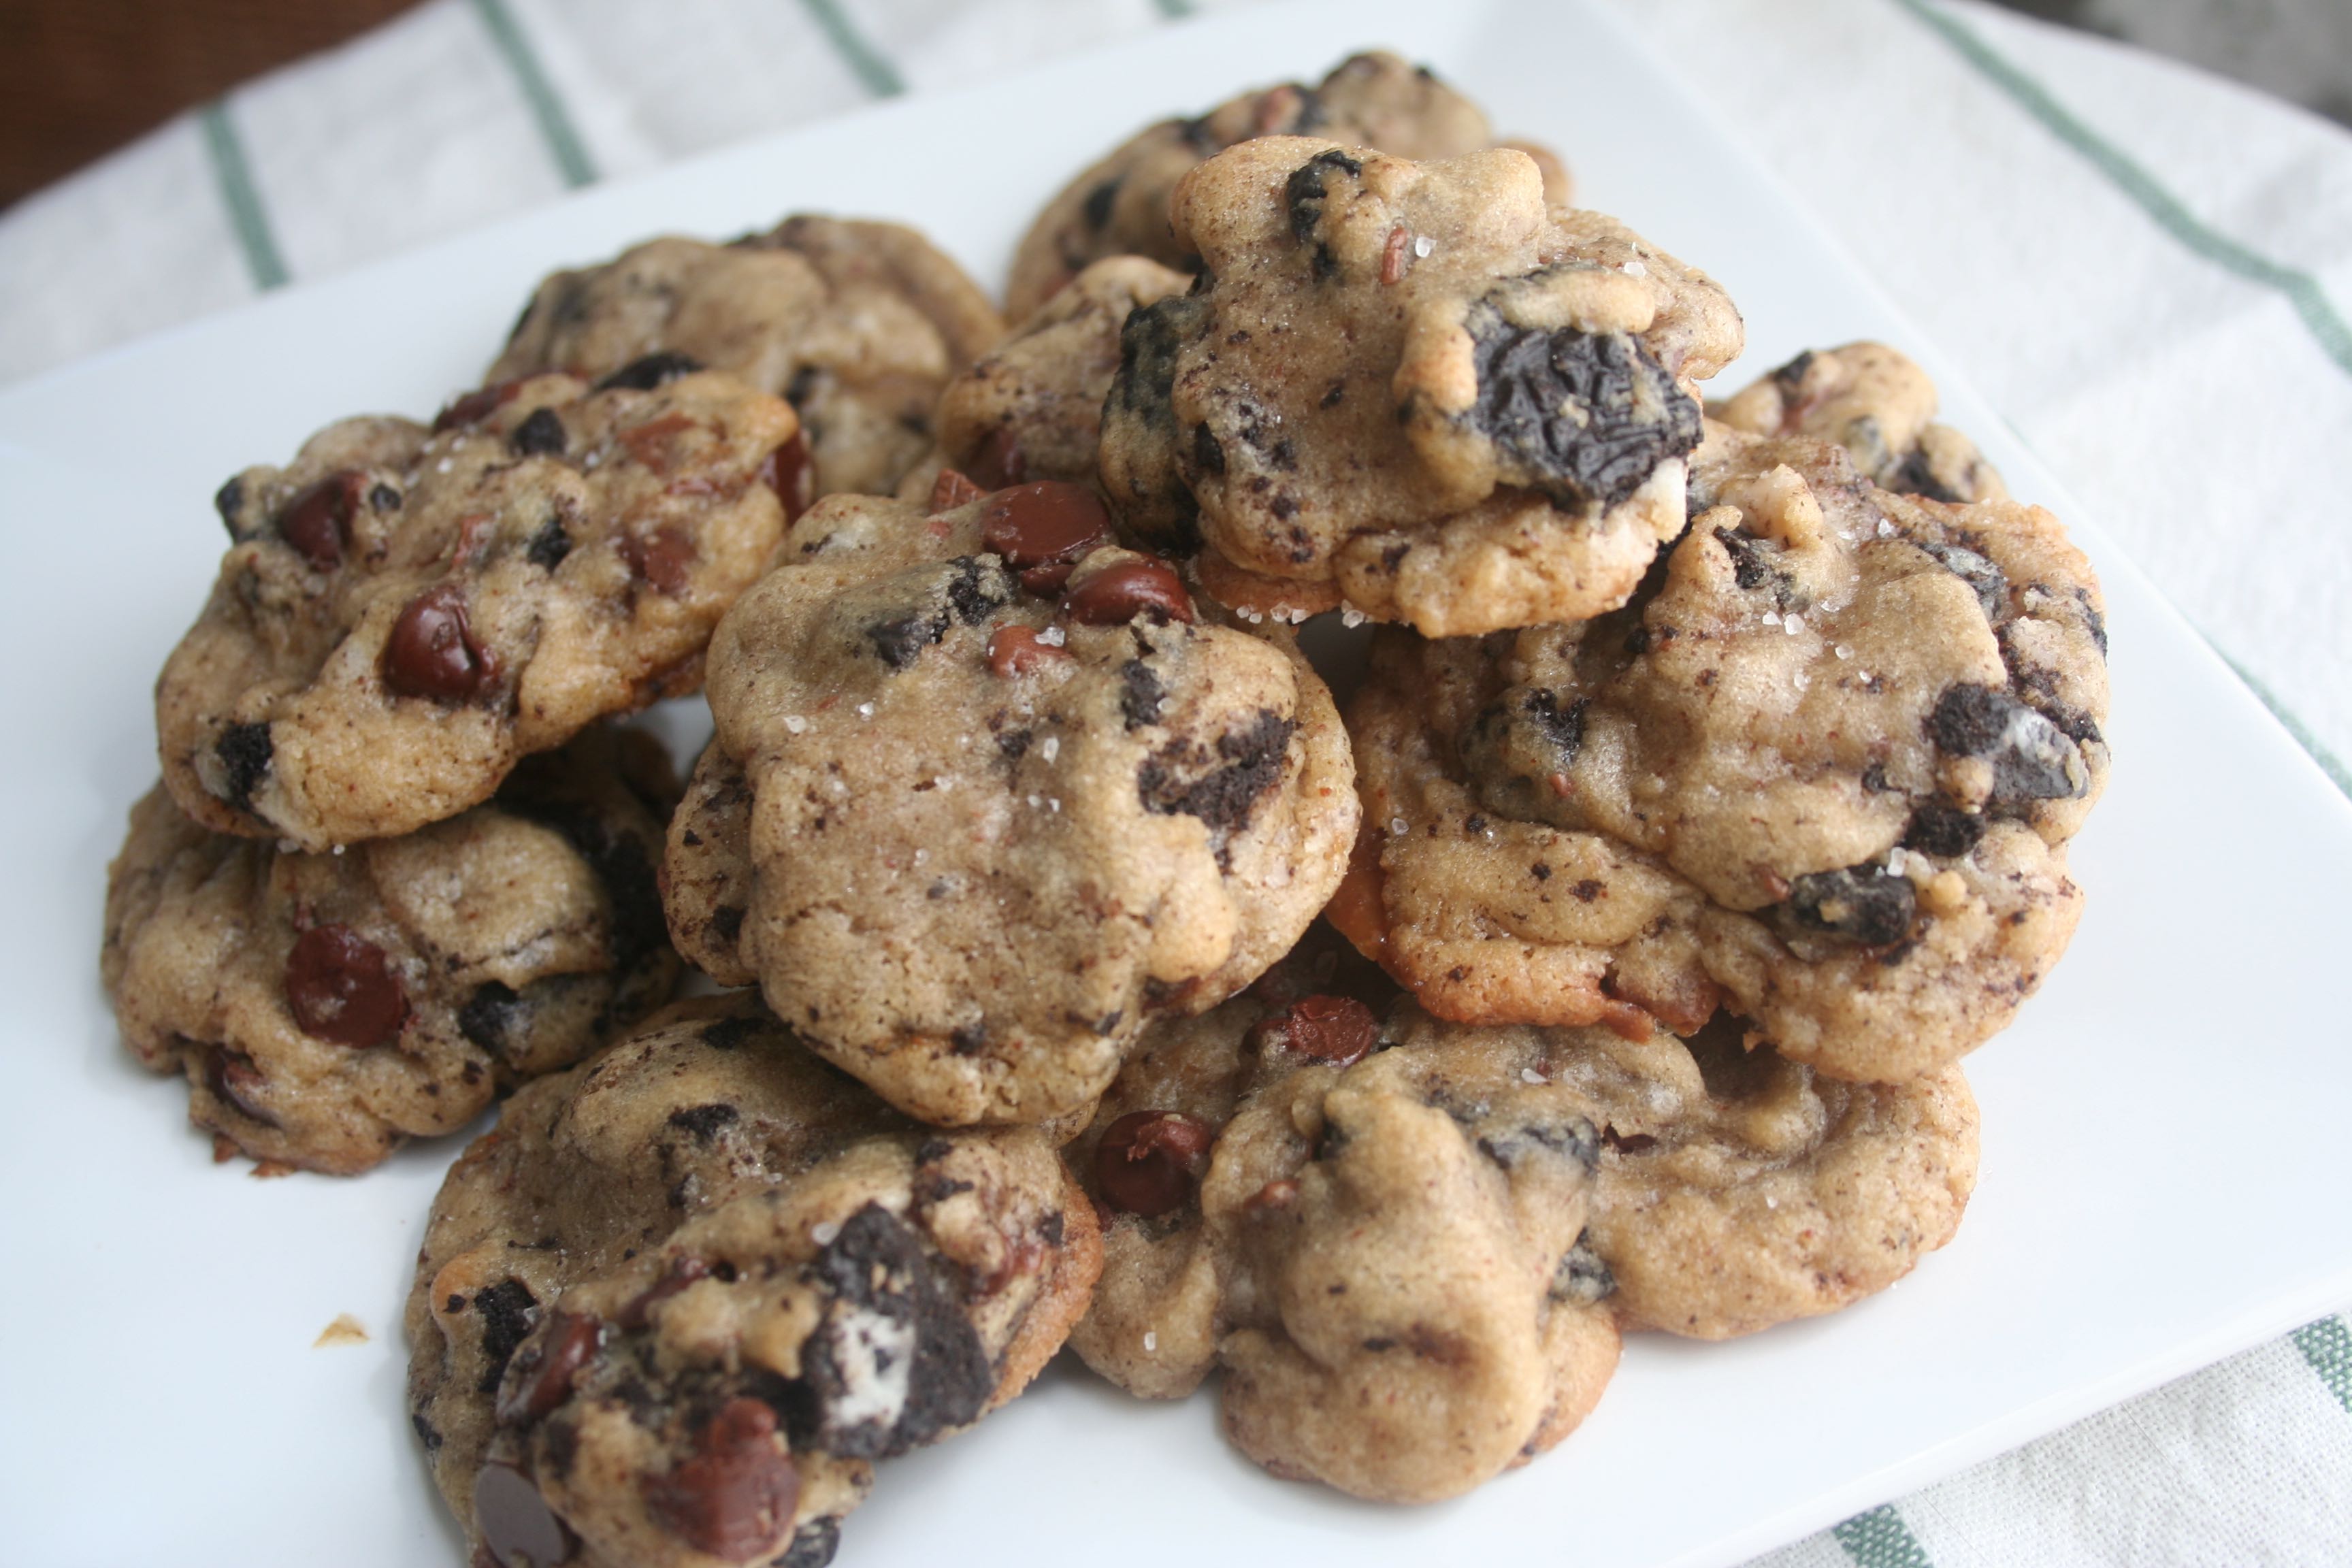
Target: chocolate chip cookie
[(326, 1007), (674, 1308), (1379, 1248), (987, 793), (1737, 1189), (405, 611), (1823, 771), (1120, 205), (1032, 408), (1415, 382), (1877, 404), (858, 324)]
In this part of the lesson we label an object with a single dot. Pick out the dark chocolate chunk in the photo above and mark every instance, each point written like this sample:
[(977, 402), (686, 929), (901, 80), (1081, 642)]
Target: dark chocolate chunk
[(1208, 456), (1588, 415), (507, 1310), (1992, 584), (1095, 208), (1582, 1276), (1916, 476), (1141, 694), (2033, 759), (1791, 375), (539, 1376), (1862, 903), (540, 434), (516, 1524), (729, 1033), (1752, 565), (1944, 830), (431, 652), (1119, 593), (900, 640), (426, 1433), (619, 860), (340, 988), (1178, 777), (490, 1016), (1044, 530), (317, 521), (726, 922), (235, 1081), (1149, 1161), (383, 498), (1304, 194), (814, 1545), (549, 546), (1339, 1030), (648, 372), (229, 500), (896, 1362), (977, 590), (244, 751), (704, 1121), (735, 1494)]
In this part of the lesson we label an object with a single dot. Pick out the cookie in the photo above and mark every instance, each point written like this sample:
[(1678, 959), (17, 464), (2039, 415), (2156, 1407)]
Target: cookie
[(859, 324), (1379, 1247), (1878, 406), (1416, 383), (405, 611), (1004, 795), (1120, 205), (674, 1308), (1821, 773), (1737, 1189), (326, 1007), (1031, 408)]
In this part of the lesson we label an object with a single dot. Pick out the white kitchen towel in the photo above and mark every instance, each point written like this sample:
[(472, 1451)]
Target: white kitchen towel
[(2147, 268)]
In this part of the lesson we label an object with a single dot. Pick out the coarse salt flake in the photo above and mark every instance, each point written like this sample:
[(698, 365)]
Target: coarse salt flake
[(1793, 625), (794, 724), (1053, 636), (865, 710), (1530, 1075), (1422, 245), (1886, 529), (1352, 617), (1151, 1343), (824, 1232), (1399, 826), (1051, 748), (1771, 617), (1842, 651), (1636, 268)]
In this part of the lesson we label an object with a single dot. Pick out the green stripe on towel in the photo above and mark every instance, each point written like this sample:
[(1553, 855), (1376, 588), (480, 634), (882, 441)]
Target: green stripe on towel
[(555, 128), (1175, 10), (880, 77), (1880, 1539), (246, 216), (2303, 291), (2327, 1346), (2329, 762)]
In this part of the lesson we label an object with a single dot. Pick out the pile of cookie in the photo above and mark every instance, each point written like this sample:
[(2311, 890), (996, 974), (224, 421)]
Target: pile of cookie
[(1702, 797)]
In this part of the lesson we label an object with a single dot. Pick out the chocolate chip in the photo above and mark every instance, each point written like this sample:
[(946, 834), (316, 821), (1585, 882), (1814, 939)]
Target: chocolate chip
[(730, 1034), (538, 1377), (1149, 1161), (1170, 780), (1208, 453), (726, 922), (682, 1271), (340, 988), (383, 498), (236, 1082), (1978, 571), (432, 652), (1016, 650), (1944, 830), (1118, 593), (1141, 694), (736, 1493), (1042, 529), (665, 558), (901, 639), (244, 751), (1582, 1277), (426, 1433), (704, 1121), (475, 407), (1095, 208), (790, 472), (814, 1545), (488, 1017), (1336, 1030), (1588, 415), (1862, 903), (650, 372), (896, 1362), (514, 1520), (999, 460), (229, 500), (540, 434), (318, 521), (549, 546), (1304, 194), (2033, 759), (507, 1310)]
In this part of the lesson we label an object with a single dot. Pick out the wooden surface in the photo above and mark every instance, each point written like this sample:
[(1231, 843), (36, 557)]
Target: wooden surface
[(79, 78)]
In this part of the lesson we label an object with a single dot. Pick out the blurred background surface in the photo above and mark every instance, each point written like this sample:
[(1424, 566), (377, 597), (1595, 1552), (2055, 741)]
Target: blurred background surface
[(79, 78)]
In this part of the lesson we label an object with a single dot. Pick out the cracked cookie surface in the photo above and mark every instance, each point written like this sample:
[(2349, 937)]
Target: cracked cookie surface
[(326, 1007), (1379, 1249), (1120, 205), (1540, 363), (986, 794), (857, 323), (404, 613), (1821, 773), (675, 1308)]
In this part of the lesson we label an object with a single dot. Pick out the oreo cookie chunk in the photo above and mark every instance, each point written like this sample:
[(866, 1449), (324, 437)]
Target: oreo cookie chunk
[(1119, 206), (326, 1007), (1415, 383), (859, 324), (1878, 406), (987, 793), (404, 613), (1380, 1249), (683, 1299), (1823, 772)]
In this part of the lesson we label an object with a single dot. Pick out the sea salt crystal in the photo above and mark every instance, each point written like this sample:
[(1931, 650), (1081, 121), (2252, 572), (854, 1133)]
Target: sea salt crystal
[(1399, 826), (865, 710), (1422, 245), (1886, 529), (1803, 680), (1842, 651), (1530, 1075), (444, 465), (1636, 268), (1053, 636), (1771, 1202), (1051, 748), (823, 1233), (1352, 617), (1793, 625), (1151, 1343), (1053, 805), (1771, 617), (794, 724)]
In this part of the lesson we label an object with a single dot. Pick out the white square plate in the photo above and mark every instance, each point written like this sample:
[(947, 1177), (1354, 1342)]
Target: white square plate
[(2163, 1180)]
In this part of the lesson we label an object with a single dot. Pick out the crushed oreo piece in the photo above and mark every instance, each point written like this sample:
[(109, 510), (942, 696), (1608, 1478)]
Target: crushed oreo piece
[(1588, 416)]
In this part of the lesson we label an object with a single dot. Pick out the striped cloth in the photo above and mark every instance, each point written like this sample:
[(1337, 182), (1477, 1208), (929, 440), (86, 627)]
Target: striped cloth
[(2140, 264)]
